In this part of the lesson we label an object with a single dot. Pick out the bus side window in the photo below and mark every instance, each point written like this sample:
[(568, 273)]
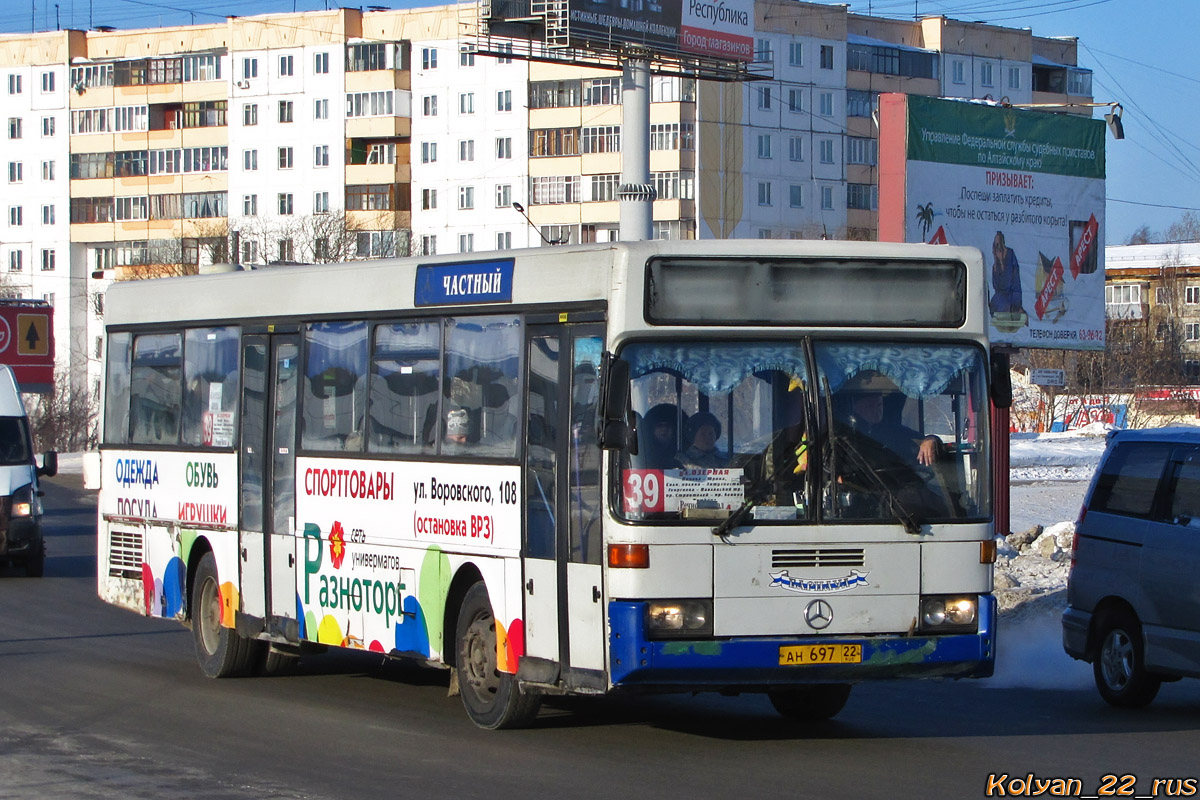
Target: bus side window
[(335, 387), (404, 388), (116, 389), (155, 389), (481, 397), (210, 380)]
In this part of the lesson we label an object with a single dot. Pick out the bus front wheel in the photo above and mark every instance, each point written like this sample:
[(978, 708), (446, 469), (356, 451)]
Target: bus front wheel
[(222, 653), (493, 699), (810, 703)]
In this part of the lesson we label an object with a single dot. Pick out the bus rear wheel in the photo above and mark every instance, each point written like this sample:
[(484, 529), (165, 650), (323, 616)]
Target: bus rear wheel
[(222, 653), (810, 703), (493, 699)]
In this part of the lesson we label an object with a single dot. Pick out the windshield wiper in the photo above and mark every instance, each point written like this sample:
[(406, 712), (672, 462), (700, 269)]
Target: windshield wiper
[(757, 492), (910, 521)]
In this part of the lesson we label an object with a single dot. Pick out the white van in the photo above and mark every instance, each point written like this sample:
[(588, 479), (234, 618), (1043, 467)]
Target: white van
[(21, 540)]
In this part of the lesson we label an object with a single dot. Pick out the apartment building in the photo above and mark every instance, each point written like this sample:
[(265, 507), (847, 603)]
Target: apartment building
[(35, 260), (325, 136), (1151, 284)]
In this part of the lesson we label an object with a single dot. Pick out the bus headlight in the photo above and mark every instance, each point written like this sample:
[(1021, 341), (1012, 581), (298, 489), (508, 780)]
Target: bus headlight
[(25, 502), (946, 613), (678, 619)]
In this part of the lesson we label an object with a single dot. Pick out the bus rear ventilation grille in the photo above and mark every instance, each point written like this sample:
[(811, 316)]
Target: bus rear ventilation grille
[(818, 557), (125, 555)]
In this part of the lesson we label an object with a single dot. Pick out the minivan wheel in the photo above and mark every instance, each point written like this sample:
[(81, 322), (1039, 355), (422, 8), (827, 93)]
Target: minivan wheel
[(1120, 667)]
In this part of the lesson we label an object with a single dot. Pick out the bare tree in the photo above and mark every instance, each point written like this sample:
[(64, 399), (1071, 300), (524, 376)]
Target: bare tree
[(64, 420), (1142, 235), (1185, 229)]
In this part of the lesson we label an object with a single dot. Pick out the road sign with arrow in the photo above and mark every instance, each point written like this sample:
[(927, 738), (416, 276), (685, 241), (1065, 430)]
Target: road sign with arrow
[(27, 342)]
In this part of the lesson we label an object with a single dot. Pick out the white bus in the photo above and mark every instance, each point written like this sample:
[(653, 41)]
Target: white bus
[(736, 466)]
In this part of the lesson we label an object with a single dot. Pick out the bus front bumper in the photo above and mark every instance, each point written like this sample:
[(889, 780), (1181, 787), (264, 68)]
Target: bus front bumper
[(752, 663)]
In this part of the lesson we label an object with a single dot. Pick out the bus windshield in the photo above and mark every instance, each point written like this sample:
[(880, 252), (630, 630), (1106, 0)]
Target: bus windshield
[(807, 431)]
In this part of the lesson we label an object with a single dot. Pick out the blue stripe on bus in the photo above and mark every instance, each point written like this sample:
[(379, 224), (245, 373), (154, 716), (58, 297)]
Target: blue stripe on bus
[(754, 661)]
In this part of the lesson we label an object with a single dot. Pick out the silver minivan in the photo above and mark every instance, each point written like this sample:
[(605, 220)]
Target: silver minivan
[(1133, 596)]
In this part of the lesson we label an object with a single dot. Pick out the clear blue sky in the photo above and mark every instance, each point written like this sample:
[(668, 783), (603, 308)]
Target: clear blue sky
[(1143, 54)]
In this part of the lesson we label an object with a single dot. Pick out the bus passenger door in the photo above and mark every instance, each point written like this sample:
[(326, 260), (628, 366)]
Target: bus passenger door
[(564, 609), (268, 508)]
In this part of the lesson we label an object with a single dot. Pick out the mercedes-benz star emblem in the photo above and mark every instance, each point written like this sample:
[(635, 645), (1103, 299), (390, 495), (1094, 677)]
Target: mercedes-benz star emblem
[(818, 614)]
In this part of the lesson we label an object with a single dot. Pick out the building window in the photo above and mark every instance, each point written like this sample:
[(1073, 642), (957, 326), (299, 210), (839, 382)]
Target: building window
[(14, 84), (601, 139), (505, 47), (504, 147), (368, 57), (428, 246), (428, 152), (466, 103), (796, 148), (1191, 332), (466, 56), (285, 158), (249, 251), (249, 68), (321, 202), (826, 104), (48, 258), (601, 91), (428, 58), (1191, 295), (321, 155), (503, 195), (466, 243), (764, 193), (957, 73), (16, 261), (795, 98), (827, 151), (47, 82), (249, 205), (321, 109), (504, 100), (764, 97), (1014, 77), (826, 56), (285, 110), (985, 74), (14, 127), (796, 54), (47, 170), (861, 196), (287, 249), (286, 66), (860, 103), (16, 172), (428, 199), (1123, 294), (466, 150), (16, 216), (286, 202), (796, 196), (466, 197), (764, 145), (762, 51), (862, 150), (47, 127), (429, 105), (504, 240), (249, 160), (48, 215), (321, 63), (250, 113), (827, 198)]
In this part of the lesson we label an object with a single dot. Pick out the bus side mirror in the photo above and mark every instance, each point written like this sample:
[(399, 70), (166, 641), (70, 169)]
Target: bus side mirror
[(49, 467), (617, 428), (1001, 381)]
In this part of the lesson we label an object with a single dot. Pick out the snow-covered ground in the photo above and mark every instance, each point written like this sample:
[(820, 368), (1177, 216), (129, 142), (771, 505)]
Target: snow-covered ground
[(1049, 473)]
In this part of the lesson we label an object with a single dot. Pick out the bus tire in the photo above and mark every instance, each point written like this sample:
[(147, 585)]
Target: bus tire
[(222, 653), (810, 703), (493, 699), (1120, 666)]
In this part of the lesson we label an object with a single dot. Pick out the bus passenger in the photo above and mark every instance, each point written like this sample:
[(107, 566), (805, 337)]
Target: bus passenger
[(702, 431), (660, 440)]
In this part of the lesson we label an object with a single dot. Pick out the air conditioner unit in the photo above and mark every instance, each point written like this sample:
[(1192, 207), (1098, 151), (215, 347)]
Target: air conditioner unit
[(243, 84)]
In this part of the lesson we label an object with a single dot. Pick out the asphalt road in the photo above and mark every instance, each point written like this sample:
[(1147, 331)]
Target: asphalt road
[(96, 702)]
